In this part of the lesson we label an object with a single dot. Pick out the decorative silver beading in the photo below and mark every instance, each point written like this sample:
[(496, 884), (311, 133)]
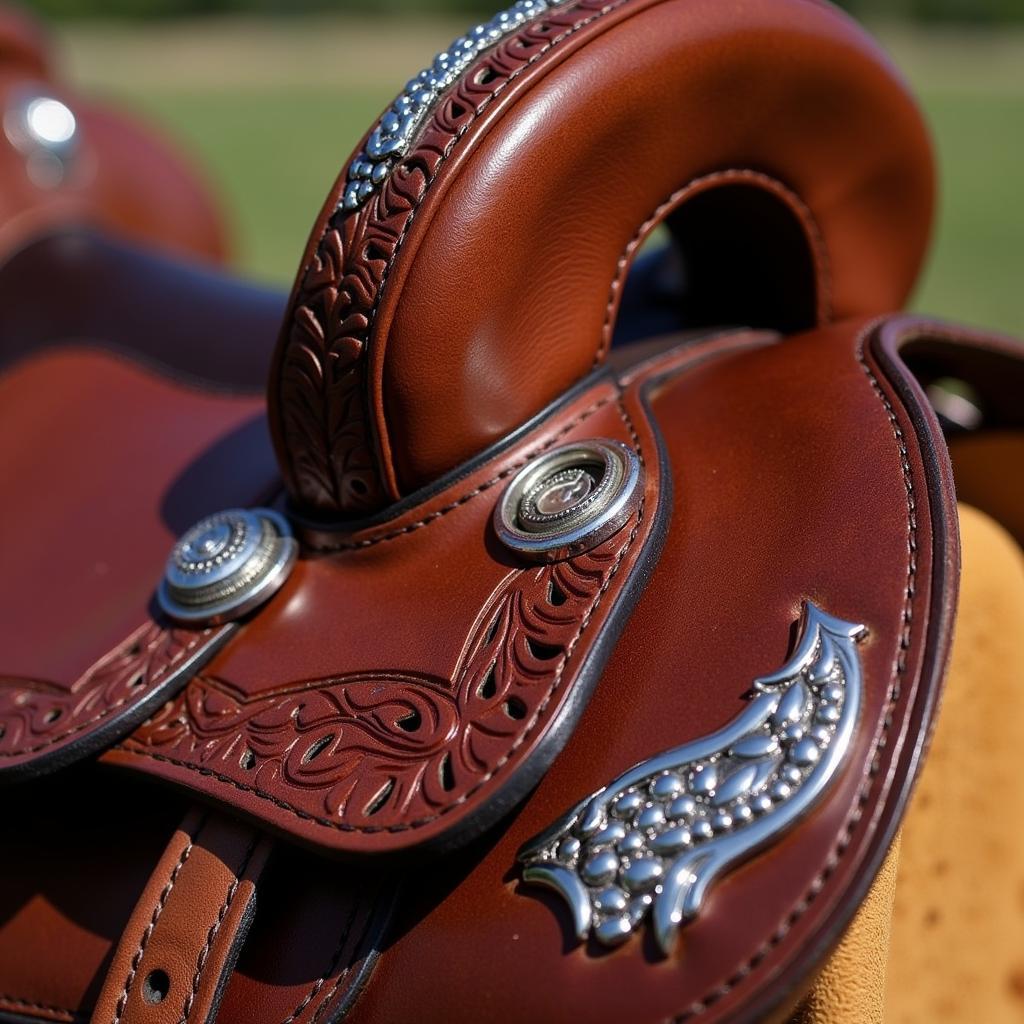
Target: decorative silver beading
[(655, 839), (227, 565), (392, 137), (45, 131), (569, 500)]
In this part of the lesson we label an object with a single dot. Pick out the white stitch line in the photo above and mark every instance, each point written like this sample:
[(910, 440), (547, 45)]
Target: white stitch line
[(137, 750), (822, 262), (157, 911), (748, 966)]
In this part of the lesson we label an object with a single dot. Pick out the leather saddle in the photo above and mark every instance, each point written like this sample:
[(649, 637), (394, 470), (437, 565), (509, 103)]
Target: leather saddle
[(542, 613)]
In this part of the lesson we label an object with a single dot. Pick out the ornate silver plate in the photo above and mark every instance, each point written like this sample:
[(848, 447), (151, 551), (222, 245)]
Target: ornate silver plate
[(653, 841)]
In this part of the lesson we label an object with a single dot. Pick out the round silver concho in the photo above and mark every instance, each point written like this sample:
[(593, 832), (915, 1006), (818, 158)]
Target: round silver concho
[(569, 500), (227, 565)]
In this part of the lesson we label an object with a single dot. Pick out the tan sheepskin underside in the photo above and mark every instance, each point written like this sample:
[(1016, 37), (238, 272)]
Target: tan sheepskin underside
[(941, 936)]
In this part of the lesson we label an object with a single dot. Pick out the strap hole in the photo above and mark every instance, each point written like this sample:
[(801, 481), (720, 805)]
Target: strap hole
[(155, 987), (52, 715)]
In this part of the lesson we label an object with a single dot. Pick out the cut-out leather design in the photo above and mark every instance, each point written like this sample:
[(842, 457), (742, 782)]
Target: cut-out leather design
[(326, 442), (39, 720), (395, 750)]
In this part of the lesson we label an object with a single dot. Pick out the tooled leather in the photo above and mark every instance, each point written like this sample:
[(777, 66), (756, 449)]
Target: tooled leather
[(394, 751), (740, 961), (330, 406), (385, 753), (37, 718), (318, 398)]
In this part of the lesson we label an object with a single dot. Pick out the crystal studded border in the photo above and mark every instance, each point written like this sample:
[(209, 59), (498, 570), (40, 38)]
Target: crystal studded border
[(391, 138)]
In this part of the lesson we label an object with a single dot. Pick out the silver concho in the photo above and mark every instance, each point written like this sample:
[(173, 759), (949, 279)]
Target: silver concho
[(654, 840), (392, 137), (45, 131), (569, 499), (227, 565)]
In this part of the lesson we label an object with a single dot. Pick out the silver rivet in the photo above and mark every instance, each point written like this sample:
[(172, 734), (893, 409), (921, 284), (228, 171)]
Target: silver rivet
[(569, 500), (226, 566)]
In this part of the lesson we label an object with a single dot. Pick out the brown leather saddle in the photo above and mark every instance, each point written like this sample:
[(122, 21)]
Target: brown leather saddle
[(559, 635)]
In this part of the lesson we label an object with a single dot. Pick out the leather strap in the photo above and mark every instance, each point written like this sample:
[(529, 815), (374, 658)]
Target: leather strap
[(183, 938)]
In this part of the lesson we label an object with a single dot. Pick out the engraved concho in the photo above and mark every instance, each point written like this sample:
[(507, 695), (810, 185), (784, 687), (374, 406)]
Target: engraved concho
[(227, 565), (653, 841), (569, 499)]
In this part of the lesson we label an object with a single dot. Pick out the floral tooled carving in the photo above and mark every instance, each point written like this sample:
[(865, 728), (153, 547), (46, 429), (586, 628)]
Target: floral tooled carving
[(320, 415), (37, 716), (387, 750)]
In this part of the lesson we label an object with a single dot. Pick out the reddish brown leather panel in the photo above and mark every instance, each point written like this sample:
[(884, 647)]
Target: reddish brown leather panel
[(413, 679), (111, 463), (313, 944), (184, 936), (800, 472), (44, 726), (433, 320)]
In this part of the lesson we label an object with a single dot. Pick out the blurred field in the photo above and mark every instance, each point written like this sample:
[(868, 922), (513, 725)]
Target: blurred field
[(273, 108)]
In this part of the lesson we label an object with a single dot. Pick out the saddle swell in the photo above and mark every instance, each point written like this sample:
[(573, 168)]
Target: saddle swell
[(432, 318), (663, 628)]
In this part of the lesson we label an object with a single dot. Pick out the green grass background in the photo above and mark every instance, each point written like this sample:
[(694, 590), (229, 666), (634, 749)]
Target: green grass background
[(272, 108)]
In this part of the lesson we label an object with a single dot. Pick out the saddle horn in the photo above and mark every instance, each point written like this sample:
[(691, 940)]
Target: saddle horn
[(468, 265)]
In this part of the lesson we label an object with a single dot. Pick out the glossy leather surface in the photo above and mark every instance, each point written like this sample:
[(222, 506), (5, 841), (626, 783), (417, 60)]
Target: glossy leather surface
[(789, 518), (484, 279), (781, 468)]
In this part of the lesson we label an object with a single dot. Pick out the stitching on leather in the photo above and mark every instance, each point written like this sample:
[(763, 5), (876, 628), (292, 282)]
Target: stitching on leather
[(344, 974), (214, 930), (822, 262), (459, 502), (449, 149), (332, 966), (157, 911), (339, 981), (109, 710), (500, 764), (31, 1004), (842, 846)]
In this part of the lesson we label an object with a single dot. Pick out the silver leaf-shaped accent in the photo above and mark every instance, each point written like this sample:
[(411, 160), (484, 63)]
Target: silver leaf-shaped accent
[(745, 786)]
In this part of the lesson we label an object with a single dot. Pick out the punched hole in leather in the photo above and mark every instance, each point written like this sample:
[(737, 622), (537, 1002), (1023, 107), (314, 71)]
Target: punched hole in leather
[(183, 939)]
